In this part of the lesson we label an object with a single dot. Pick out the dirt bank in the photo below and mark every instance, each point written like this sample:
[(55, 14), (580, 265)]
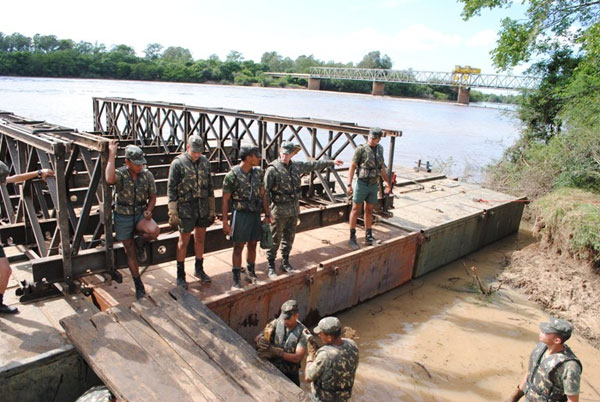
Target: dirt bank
[(566, 287)]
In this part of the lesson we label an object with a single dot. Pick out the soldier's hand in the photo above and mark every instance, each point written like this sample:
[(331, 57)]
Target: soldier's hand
[(45, 173), (267, 219), (387, 190), (113, 146), (226, 228), (338, 162), (349, 190), (174, 220), (262, 343), (148, 215), (516, 395)]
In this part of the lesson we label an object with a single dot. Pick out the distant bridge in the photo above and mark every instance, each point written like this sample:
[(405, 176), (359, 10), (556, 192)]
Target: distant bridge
[(463, 80)]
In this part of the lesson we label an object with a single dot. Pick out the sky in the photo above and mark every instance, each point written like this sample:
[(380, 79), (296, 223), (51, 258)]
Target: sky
[(419, 34)]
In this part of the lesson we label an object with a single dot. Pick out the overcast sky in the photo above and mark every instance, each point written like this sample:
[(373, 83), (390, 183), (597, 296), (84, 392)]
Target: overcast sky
[(418, 34)]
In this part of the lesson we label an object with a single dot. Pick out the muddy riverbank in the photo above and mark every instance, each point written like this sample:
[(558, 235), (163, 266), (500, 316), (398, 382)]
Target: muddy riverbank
[(438, 339)]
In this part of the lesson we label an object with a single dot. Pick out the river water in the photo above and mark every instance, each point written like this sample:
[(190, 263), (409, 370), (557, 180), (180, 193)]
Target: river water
[(454, 138), (432, 339)]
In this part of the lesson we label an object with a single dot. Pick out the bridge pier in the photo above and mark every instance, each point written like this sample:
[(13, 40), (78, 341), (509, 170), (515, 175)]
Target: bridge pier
[(314, 83), (464, 95), (378, 88)]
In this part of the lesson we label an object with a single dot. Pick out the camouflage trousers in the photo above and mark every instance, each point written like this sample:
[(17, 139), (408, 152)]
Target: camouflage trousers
[(284, 231)]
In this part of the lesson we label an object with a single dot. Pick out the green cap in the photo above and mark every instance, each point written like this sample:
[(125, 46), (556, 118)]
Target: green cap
[(135, 154), (375, 132), (195, 142), (4, 172), (329, 326), (289, 308), (557, 326), (289, 147)]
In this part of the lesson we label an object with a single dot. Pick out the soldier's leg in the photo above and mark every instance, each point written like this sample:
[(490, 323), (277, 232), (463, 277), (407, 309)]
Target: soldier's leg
[(199, 236), (370, 202), (251, 252), (356, 209), (289, 232), (5, 272), (148, 229), (182, 245), (124, 229), (236, 260), (277, 231)]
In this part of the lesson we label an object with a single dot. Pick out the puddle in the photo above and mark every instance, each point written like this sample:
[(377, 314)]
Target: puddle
[(435, 339)]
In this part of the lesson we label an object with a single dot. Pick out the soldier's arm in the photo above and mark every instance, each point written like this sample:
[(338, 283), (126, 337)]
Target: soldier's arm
[(300, 351), (315, 368), (109, 173), (269, 182), (173, 181), (152, 192), (571, 379)]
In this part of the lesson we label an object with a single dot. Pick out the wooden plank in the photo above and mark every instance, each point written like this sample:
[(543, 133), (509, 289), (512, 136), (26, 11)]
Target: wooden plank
[(197, 362), (120, 362), (163, 354), (228, 349)]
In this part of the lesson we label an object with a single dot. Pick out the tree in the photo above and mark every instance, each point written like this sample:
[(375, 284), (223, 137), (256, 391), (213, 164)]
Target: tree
[(18, 43), (123, 50), (153, 50), (375, 60), (178, 55), (234, 56), (549, 25), (45, 43)]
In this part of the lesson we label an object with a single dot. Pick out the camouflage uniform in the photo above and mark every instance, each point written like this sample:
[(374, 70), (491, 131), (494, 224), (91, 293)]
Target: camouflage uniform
[(288, 340), (332, 371), (245, 190), (370, 162), (191, 186), (282, 184), (131, 198), (552, 377), (4, 172)]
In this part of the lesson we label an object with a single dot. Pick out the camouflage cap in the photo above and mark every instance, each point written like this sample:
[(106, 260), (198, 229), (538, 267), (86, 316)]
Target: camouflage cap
[(289, 308), (375, 132), (289, 147), (557, 326), (4, 172), (329, 326), (135, 154), (195, 142)]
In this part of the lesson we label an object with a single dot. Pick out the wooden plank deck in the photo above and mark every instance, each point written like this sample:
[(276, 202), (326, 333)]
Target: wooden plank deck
[(172, 347)]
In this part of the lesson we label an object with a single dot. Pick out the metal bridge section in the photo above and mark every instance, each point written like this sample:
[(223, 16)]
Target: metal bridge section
[(494, 81), (65, 224)]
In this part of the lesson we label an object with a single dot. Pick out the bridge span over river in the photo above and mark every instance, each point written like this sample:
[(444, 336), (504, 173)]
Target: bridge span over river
[(464, 80)]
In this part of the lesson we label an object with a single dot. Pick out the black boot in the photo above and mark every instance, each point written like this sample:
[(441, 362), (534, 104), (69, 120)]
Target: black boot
[(139, 288), (181, 274), (285, 264), (369, 237), (140, 248), (4, 309), (250, 273), (353, 243), (271, 268), (237, 273), (199, 271)]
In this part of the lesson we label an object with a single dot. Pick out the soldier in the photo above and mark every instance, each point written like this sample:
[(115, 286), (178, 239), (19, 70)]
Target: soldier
[(283, 341), (368, 160), (554, 371), (135, 198), (191, 205), (332, 367), (244, 185), (282, 184), (5, 270)]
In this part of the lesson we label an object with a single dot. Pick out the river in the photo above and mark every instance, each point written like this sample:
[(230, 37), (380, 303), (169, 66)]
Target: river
[(432, 339), (456, 139)]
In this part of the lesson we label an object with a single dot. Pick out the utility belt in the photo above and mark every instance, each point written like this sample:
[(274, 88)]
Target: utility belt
[(131, 208), (252, 205), (193, 195)]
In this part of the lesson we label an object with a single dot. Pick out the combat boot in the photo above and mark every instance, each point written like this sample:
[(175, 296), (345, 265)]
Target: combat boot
[(199, 271), (4, 309), (285, 265), (250, 273), (140, 291), (181, 275), (271, 268), (370, 240), (237, 274), (353, 243), (140, 248)]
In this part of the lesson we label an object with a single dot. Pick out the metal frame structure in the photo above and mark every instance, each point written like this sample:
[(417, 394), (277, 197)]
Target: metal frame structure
[(67, 222)]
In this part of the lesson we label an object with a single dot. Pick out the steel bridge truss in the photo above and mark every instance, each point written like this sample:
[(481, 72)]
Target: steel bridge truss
[(66, 221), (494, 81)]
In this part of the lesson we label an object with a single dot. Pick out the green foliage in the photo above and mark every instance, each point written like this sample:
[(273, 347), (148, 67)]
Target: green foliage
[(375, 60), (571, 219), (176, 54), (549, 25)]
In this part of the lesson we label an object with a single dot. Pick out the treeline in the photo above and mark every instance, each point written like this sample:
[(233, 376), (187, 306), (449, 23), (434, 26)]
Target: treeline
[(48, 56)]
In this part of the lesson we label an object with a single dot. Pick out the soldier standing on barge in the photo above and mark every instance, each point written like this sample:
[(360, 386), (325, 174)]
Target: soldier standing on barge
[(283, 187), (5, 270), (191, 205), (135, 198), (244, 186)]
